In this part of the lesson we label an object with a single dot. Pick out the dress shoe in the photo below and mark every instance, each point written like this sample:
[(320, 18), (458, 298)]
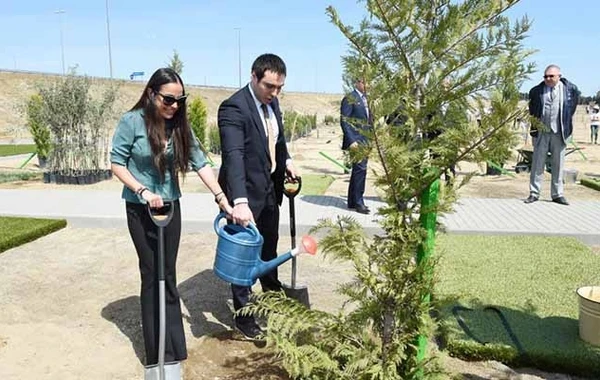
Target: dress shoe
[(362, 210), (250, 330), (531, 199), (560, 200)]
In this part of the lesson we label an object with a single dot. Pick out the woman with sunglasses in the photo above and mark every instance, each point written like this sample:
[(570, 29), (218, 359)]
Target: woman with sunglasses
[(153, 146)]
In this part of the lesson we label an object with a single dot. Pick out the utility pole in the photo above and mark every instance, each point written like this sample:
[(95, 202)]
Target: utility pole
[(60, 12), (239, 30), (109, 49)]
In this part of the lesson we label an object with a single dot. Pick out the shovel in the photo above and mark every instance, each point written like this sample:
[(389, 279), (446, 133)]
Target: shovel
[(298, 292), (162, 371)]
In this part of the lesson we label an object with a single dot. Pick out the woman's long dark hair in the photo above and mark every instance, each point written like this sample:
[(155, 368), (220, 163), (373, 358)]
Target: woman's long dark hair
[(155, 125)]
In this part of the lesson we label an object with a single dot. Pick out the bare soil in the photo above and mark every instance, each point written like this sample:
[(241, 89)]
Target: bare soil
[(70, 305)]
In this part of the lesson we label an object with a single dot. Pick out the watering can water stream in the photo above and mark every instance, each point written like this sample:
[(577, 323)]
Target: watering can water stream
[(238, 253)]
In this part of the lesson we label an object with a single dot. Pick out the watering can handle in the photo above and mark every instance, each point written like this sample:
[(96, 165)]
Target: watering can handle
[(251, 226), (291, 192)]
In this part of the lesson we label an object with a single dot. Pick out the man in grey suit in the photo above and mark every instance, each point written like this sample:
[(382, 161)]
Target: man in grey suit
[(355, 118), (553, 103)]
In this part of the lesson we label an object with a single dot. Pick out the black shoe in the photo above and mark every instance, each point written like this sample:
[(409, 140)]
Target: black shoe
[(560, 200), (531, 199), (363, 210), (250, 330)]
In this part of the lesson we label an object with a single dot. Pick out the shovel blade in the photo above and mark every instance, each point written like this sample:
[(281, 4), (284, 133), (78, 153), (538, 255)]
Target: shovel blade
[(299, 293), (172, 371)]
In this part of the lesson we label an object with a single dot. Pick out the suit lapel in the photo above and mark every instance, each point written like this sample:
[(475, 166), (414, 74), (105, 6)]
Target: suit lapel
[(257, 119)]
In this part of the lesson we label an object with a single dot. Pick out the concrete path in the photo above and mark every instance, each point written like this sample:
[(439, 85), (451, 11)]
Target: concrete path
[(87, 208)]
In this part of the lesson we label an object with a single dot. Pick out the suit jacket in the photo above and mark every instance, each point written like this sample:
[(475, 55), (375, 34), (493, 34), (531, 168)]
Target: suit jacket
[(353, 119), (246, 166), (570, 98)]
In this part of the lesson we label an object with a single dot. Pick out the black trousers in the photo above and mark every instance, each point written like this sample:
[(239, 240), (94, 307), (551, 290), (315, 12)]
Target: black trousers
[(144, 234), (356, 188), (267, 224)]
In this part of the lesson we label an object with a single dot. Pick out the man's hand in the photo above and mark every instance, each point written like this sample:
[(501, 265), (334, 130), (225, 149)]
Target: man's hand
[(242, 214), (291, 171), (354, 145)]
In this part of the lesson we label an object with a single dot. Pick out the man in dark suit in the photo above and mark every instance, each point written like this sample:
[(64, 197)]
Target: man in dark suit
[(553, 103), (255, 162), (354, 118)]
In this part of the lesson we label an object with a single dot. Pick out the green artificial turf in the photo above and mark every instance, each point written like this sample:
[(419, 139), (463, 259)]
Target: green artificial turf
[(17, 231), (532, 281), (11, 150), (315, 184), (592, 183)]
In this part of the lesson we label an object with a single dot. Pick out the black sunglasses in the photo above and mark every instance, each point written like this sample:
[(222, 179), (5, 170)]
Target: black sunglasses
[(169, 100), (550, 76)]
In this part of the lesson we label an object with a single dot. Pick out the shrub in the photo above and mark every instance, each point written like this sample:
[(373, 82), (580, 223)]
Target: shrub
[(37, 127), (197, 115), (214, 139)]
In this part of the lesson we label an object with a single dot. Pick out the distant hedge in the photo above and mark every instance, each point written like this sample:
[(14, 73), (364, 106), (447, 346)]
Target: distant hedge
[(16, 231)]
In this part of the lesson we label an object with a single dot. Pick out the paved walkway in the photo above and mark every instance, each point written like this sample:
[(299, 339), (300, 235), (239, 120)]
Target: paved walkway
[(87, 208)]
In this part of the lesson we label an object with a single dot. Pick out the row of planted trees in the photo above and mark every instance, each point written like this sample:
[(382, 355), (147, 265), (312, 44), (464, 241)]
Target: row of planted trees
[(72, 130)]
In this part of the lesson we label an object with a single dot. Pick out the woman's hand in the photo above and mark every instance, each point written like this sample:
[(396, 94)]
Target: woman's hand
[(154, 200), (226, 207)]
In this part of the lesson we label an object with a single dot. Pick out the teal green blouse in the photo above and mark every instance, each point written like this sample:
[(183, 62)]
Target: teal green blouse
[(131, 148)]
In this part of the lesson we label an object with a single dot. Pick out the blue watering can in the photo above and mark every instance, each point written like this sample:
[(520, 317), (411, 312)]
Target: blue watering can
[(238, 253)]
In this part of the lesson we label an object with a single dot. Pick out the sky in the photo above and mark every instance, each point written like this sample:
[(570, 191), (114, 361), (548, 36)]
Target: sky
[(143, 35)]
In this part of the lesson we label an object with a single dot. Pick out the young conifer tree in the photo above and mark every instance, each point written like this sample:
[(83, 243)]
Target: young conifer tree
[(430, 66)]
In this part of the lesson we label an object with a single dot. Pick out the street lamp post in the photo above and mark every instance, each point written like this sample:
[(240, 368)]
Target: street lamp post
[(239, 57), (60, 12), (108, 34)]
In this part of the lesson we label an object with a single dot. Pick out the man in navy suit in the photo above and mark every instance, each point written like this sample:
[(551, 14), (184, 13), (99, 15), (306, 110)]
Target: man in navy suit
[(255, 162), (354, 119)]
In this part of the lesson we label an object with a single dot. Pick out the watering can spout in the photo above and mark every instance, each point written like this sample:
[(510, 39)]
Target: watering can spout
[(307, 245), (238, 253), (264, 267)]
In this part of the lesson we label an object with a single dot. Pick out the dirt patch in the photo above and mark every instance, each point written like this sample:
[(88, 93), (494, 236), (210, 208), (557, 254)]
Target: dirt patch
[(225, 357)]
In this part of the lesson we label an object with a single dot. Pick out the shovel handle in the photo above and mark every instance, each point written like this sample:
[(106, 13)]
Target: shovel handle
[(292, 186), (161, 216)]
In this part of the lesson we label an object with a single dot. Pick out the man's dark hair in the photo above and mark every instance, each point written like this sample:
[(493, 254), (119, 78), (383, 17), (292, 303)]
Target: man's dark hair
[(268, 62)]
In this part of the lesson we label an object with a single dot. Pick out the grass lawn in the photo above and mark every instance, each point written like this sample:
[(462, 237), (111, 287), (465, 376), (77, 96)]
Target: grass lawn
[(532, 280), (11, 150), (12, 176), (315, 184), (18, 231)]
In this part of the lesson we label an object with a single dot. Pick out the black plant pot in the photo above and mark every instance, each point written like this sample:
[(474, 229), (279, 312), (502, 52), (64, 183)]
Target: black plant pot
[(52, 177), (46, 177)]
